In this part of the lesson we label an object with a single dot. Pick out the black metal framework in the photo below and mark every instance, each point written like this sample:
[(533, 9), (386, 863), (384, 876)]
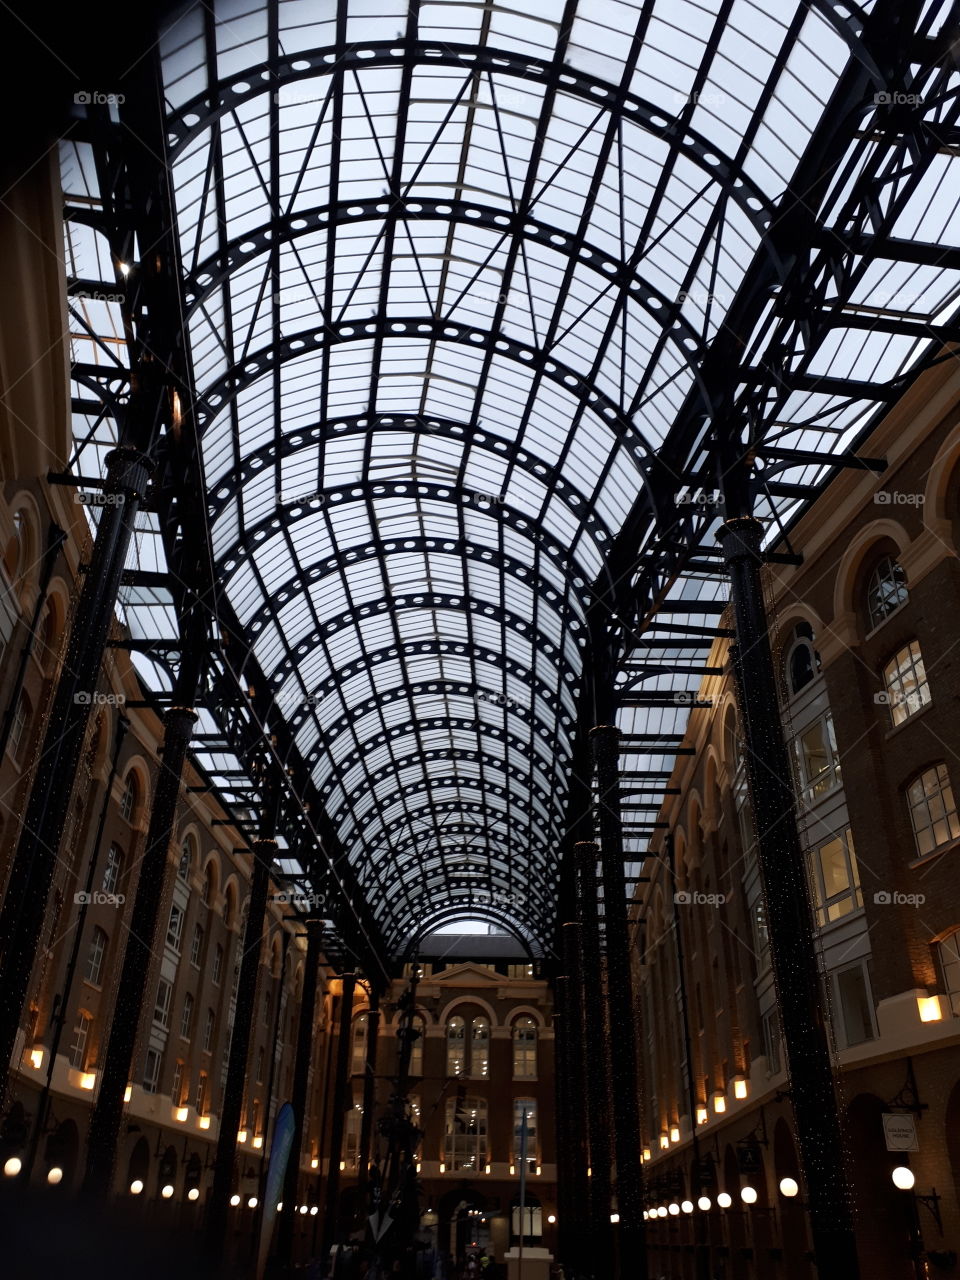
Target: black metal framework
[(475, 318)]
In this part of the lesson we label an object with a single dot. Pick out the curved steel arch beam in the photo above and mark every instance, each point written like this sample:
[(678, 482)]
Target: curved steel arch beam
[(317, 754), (478, 757), (239, 252), (403, 942), (194, 117), (253, 464), (465, 807), (213, 399), (368, 491)]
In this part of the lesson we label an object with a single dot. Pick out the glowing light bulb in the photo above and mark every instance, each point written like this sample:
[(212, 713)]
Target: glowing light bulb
[(55, 1176), (686, 1206), (903, 1178), (724, 1201), (193, 1193), (789, 1187), (167, 1191), (12, 1167), (748, 1195), (136, 1187), (704, 1203), (234, 1200)]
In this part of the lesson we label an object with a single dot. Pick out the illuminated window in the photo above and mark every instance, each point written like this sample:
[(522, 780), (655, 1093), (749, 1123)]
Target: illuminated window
[(905, 683), (456, 1047), (932, 810), (525, 1049), (480, 1049), (465, 1139), (836, 879)]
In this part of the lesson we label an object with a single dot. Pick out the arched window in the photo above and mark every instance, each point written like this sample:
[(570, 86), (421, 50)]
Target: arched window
[(886, 590), (186, 857), (525, 1049), (128, 802), (480, 1049), (465, 1138), (13, 552), (801, 660), (456, 1047), (358, 1061), (416, 1051)]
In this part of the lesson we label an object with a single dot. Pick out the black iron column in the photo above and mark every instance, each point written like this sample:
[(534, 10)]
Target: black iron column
[(298, 1100), (621, 1004), (786, 895), (264, 850), (338, 1103), (21, 918), (107, 1117), (596, 1050), (577, 1242), (369, 1093), (564, 1120)]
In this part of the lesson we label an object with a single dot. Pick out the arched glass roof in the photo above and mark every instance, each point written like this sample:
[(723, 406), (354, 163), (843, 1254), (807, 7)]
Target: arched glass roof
[(468, 288)]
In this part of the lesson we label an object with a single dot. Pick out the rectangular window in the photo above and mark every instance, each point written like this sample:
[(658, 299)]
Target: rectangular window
[(201, 1093), (176, 1089), (151, 1071), (519, 970), (854, 1005), (161, 1012), (817, 758), (98, 948), (528, 1105), (196, 946), (186, 1016), (217, 965), (465, 1140), (78, 1046), (835, 879), (111, 872), (932, 810), (175, 928), (905, 682), (208, 1032), (772, 1043), (948, 958)]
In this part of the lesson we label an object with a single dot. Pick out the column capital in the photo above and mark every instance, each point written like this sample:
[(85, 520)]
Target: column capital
[(740, 538)]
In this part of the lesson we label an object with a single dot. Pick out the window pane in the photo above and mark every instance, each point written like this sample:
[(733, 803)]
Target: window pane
[(855, 1008)]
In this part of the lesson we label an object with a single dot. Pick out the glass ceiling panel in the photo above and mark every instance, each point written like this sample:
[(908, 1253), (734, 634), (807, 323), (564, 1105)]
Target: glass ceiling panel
[(441, 326)]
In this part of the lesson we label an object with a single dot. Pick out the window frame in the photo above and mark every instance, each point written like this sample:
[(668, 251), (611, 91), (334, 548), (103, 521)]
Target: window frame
[(874, 583), (899, 703), (922, 801), (101, 937), (525, 1022), (823, 903)]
